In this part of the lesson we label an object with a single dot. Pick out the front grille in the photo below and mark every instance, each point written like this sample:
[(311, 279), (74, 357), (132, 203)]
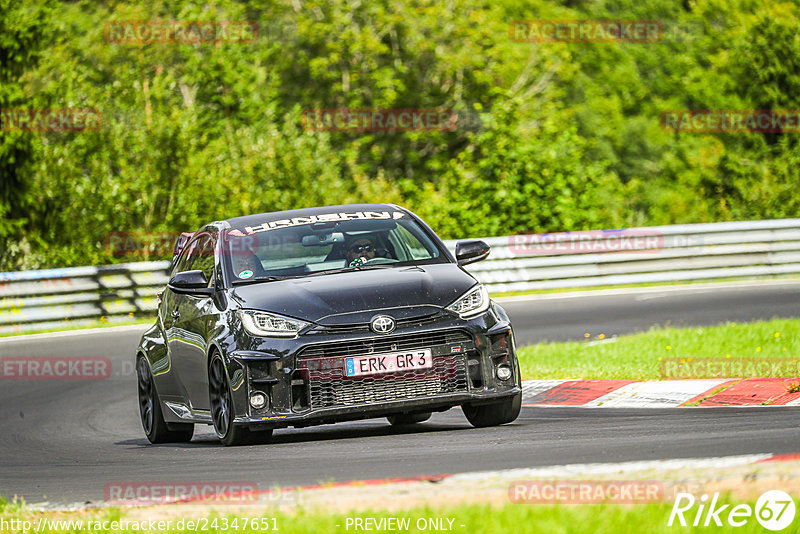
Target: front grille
[(322, 368), (385, 344), (401, 323), (329, 388)]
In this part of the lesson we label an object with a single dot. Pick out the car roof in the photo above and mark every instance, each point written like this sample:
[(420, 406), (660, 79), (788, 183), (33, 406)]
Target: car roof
[(252, 220)]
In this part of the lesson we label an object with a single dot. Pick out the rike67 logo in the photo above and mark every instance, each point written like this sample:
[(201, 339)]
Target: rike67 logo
[(774, 510)]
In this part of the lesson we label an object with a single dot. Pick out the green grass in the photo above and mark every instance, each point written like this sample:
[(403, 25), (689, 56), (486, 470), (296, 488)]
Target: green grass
[(476, 519), (639, 356)]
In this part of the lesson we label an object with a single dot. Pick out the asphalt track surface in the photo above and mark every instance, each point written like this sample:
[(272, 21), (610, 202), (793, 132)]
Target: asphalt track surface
[(565, 317), (62, 442)]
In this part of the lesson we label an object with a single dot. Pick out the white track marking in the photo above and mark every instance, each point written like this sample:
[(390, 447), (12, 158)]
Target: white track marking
[(583, 470), (74, 333), (645, 290), (661, 394)]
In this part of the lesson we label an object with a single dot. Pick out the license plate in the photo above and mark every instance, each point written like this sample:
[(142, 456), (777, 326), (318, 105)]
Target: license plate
[(388, 363)]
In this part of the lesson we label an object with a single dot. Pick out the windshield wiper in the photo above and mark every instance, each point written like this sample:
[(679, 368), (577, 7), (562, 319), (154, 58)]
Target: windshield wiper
[(349, 269), (376, 266), (317, 273), (259, 279)]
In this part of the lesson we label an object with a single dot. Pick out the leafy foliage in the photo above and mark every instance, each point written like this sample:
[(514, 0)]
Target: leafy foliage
[(566, 135)]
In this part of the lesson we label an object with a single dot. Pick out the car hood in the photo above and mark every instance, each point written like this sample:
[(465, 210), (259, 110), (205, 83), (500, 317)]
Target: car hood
[(354, 297)]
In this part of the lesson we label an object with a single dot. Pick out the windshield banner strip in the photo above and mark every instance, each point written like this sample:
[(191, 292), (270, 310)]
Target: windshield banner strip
[(311, 219)]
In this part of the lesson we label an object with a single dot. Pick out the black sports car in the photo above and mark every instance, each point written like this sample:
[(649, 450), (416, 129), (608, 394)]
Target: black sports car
[(321, 315)]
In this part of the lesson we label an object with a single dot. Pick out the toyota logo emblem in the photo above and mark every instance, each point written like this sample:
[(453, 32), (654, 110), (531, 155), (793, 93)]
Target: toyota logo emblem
[(382, 324)]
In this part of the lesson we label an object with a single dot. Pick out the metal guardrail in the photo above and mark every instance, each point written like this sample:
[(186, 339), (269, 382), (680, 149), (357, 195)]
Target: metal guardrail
[(55, 298), (749, 249), (752, 249)]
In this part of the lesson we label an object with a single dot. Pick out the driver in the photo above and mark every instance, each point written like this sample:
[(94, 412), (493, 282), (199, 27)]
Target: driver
[(360, 250)]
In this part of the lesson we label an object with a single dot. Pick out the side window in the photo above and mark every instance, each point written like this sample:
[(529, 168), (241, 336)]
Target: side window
[(203, 256), (199, 254), (417, 249), (185, 259)]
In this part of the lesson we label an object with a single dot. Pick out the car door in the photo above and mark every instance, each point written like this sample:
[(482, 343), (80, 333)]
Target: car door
[(179, 331), (168, 378), (168, 310), (192, 321)]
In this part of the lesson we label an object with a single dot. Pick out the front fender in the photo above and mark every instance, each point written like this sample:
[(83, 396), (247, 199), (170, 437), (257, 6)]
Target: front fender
[(153, 346), (224, 342)]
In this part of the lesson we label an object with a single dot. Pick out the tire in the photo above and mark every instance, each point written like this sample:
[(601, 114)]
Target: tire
[(496, 413), (219, 390), (155, 428), (408, 418)]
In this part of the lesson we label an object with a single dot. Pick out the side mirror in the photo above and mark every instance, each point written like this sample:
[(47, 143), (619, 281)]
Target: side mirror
[(190, 283), (471, 251)]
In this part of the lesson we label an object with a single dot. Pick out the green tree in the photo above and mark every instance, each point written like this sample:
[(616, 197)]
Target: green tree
[(24, 30)]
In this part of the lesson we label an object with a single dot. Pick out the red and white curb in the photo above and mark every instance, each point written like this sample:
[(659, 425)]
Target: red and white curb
[(662, 394)]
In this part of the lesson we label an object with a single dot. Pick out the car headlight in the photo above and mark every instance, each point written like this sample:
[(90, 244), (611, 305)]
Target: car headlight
[(473, 302), (266, 324)]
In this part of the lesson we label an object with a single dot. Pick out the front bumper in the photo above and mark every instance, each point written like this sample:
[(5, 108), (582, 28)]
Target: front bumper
[(306, 384), (352, 413)]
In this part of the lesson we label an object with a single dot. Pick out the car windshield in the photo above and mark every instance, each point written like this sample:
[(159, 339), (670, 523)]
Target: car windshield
[(274, 250)]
